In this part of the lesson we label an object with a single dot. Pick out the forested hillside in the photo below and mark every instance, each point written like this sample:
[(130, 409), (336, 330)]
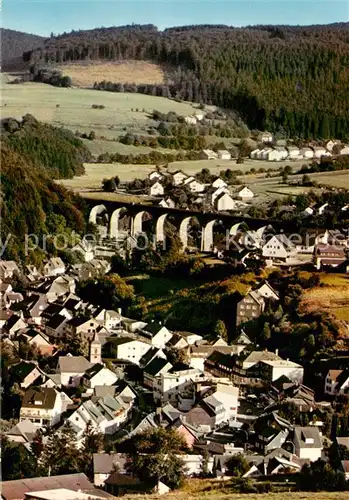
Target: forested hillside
[(56, 151), (31, 203), (292, 79), (13, 44)]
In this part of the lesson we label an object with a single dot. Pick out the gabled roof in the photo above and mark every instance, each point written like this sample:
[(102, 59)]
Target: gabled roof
[(148, 356), (80, 321), (308, 433), (22, 370), (93, 370), (155, 366), (25, 428), (73, 364), (103, 463), (40, 398), (153, 327), (55, 321)]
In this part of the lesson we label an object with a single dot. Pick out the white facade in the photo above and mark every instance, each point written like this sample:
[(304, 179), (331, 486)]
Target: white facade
[(254, 154), (190, 120), (218, 183), (267, 292), (281, 367), (226, 202), (308, 446), (161, 338), (168, 385), (156, 189), (276, 249), (223, 154), (320, 151), (277, 155), (218, 192), (155, 176), (332, 387), (208, 154), (245, 194), (229, 396), (307, 153), (132, 350), (293, 152), (345, 150), (178, 178), (40, 416), (103, 377), (196, 187)]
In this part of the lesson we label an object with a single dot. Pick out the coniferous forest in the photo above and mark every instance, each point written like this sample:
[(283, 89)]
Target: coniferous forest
[(289, 79)]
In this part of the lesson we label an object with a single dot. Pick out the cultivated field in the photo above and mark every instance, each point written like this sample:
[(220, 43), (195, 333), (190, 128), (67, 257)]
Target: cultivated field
[(72, 108), (84, 74)]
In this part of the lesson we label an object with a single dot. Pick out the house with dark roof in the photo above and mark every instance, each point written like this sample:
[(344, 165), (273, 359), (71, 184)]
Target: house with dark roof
[(128, 348), (157, 334), (25, 373), (55, 326), (104, 464), (42, 406), (13, 324), (99, 375), (337, 382), (330, 256), (152, 353), (83, 325), (154, 369), (308, 443)]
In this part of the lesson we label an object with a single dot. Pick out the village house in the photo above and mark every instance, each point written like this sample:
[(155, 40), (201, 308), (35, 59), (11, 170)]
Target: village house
[(84, 326), (225, 202), (13, 324), (218, 183), (308, 443), (41, 406), (344, 150), (279, 247), (168, 385), (23, 432), (277, 154), (104, 415), (337, 382), (208, 154), (178, 177), (156, 189), (25, 373), (293, 152), (190, 337), (328, 256), (223, 154), (157, 334), (267, 291), (109, 319), (195, 186), (39, 340), (54, 267), (128, 348), (307, 153), (85, 248), (320, 151), (190, 120), (218, 192), (71, 369), (8, 269), (249, 307), (265, 137), (104, 464), (154, 369), (152, 353), (270, 370), (98, 375), (167, 203), (155, 176), (245, 194)]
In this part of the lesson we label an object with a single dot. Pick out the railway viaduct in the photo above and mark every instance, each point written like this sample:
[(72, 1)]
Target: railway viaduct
[(113, 212)]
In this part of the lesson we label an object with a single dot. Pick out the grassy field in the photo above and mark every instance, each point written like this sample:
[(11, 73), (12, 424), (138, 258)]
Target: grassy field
[(84, 74), (332, 296), (75, 107)]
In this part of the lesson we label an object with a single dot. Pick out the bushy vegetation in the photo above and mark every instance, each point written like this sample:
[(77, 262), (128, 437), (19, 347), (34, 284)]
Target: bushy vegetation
[(279, 78), (32, 203), (55, 150)]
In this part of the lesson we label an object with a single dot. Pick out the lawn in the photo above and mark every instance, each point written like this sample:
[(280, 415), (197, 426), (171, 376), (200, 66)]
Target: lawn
[(161, 287)]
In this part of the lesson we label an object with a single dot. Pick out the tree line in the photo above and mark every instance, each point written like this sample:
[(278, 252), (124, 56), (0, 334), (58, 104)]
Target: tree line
[(278, 78)]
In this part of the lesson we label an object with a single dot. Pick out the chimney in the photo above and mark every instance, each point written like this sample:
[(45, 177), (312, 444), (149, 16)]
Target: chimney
[(119, 310), (277, 352)]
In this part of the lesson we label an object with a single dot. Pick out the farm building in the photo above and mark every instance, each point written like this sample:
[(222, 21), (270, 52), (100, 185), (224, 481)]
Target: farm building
[(344, 150), (208, 154), (199, 116), (218, 183), (190, 120), (330, 144), (293, 152), (178, 177), (245, 194), (277, 154), (265, 137), (328, 255), (223, 154), (225, 202), (156, 189), (320, 151), (263, 154), (254, 154), (307, 153)]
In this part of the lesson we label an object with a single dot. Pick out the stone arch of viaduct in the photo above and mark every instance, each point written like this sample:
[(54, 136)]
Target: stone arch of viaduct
[(185, 221)]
